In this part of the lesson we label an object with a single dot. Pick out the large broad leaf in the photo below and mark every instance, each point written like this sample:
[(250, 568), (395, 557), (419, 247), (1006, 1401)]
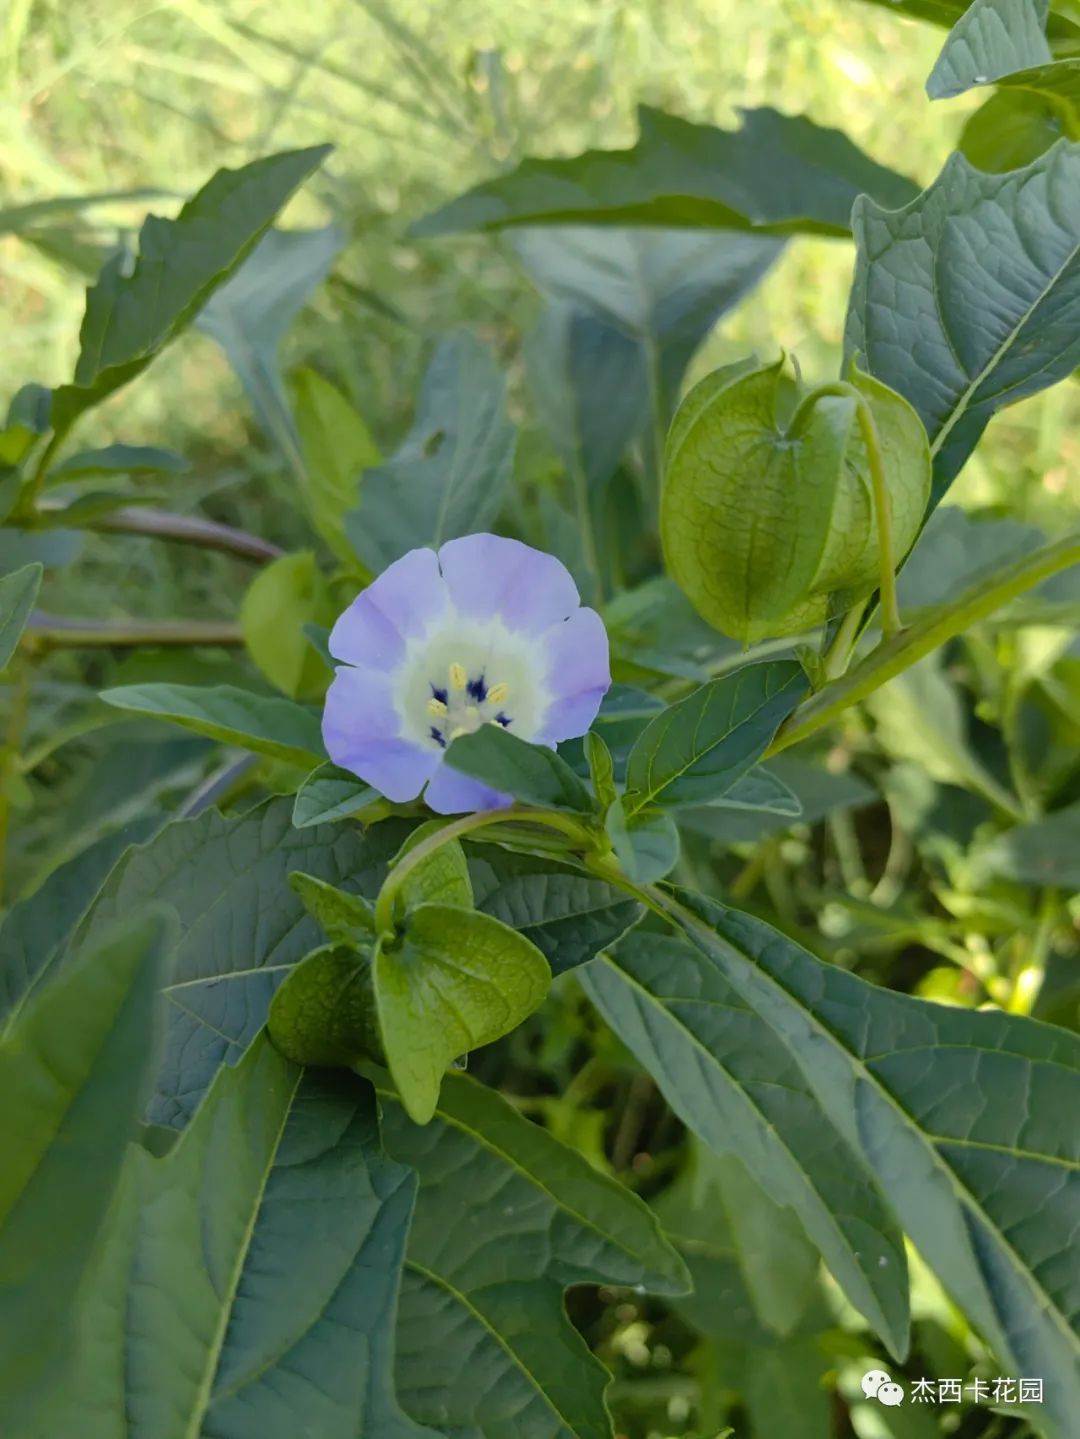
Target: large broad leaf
[(250, 315), (37, 929), (330, 794), (1003, 42), (779, 174), (131, 317), (569, 914), (18, 592), (242, 927), (729, 1079), (965, 300), (72, 1071), (696, 750), (629, 308), (450, 474), (507, 1217), (249, 1279), (1045, 852), (337, 448), (818, 791), (1063, 27), (966, 1119), (275, 727), (954, 550), (531, 773), (285, 597)]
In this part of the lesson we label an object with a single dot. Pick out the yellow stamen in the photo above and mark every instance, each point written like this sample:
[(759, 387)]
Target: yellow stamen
[(472, 713), (436, 709), (498, 694), (458, 678), (458, 731)]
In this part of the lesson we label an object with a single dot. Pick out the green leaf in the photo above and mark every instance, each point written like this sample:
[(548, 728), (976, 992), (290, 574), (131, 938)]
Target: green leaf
[(729, 1079), (697, 749), (532, 773), (963, 343), (344, 918), (242, 928), (762, 789), (1010, 130), (37, 929), (818, 792), (441, 877), (506, 1218), (778, 174), (337, 448), (324, 1013), (275, 727), (452, 981), (1003, 42), (955, 550), (18, 592), (250, 315), (73, 1069), (919, 717), (450, 474), (119, 460), (601, 770), (221, 1306), (569, 914), (284, 596), (1045, 852), (768, 514), (965, 1117), (330, 794), (646, 842), (130, 318)]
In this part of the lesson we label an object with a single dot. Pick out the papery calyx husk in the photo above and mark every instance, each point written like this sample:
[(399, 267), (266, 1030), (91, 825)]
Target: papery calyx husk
[(767, 514)]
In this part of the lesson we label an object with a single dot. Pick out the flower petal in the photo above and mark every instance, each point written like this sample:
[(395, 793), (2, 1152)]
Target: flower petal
[(578, 675), (397, 768), (451, 792), (362, 733), (402, 603), (489, 576)]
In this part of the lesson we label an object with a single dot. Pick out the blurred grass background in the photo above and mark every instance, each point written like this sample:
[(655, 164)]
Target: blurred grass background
[(422, 99)]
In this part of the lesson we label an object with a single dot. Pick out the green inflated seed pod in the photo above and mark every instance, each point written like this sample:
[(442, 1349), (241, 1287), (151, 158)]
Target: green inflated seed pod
[(768, 516)]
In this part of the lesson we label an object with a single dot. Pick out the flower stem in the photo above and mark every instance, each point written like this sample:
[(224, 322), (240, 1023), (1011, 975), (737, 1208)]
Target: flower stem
[(46, 632), (838, 656), (456, 829)]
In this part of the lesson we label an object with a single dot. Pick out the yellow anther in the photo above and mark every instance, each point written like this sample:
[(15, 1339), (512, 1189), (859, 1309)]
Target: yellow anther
[(499, 693), (458, 678), (458, 731), (436, 709)]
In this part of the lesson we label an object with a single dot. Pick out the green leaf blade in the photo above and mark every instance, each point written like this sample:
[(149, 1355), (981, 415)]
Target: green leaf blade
[(697, 749), (274, 727), (18, 591), (533, 774)]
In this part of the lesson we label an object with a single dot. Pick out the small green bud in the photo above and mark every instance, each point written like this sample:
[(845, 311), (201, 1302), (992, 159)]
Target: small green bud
[(768, 516)]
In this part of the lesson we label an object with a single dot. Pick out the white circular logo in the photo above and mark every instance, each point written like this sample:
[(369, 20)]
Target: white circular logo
[(876, 1384)]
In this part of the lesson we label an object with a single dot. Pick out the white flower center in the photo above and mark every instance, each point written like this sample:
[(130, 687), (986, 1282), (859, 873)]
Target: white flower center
[(464, 674)]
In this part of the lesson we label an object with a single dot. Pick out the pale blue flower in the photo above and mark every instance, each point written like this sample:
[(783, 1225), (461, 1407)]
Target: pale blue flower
[(486, 631)]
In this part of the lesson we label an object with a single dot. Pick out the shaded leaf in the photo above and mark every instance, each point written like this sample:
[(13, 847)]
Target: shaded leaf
[(274, 1323), (275, 727), (1010, 130), (963, 301), (223, 974), (131, 317), (330, 794), (450, 474), (533, 774), (337, 448), (345, 918), (324, 1013), (818, 791), (506, 1218), (250, 315), (778, 174), (696, 750), (287, 594), (18, 591), (646, 842), (964, 1117), (119, 460), (729, 1079), (1045, 852), (73, 1070)]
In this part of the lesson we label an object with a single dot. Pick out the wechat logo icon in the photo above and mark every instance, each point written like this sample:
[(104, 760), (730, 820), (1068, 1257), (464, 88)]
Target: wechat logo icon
[(876, 1384)]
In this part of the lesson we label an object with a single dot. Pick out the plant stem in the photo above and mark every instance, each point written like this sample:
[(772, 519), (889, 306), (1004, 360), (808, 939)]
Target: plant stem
[(46, 632), (840, 651), (182, 530), (909, 646), (456, 829)]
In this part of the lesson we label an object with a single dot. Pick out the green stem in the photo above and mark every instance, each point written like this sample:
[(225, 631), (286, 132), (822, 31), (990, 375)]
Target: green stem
[(46, 632), (918, 640), (839, 653), (180, 529), (456, 829), (41, 469)]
